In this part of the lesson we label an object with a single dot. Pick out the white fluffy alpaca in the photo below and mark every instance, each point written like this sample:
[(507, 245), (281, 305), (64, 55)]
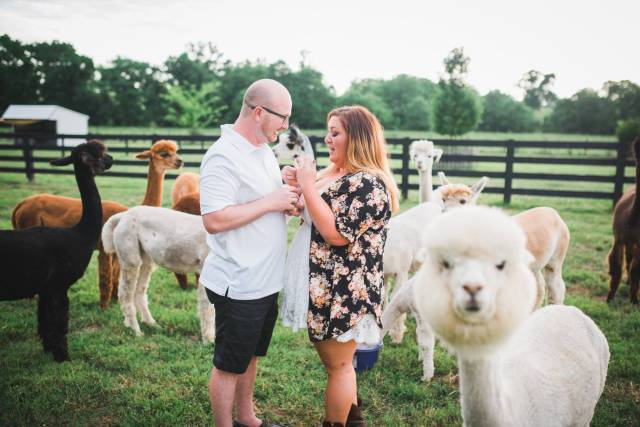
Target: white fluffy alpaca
[(450, 195), (424, 155), (476, 290), (144, 236), (548, 241), (405, 241), (405, 245)]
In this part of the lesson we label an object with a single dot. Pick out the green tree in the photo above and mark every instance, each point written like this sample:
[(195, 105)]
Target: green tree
[(584, 112), (356, 95), (456, 108), (44, 73), (502, 113), (537, 89), (625, 96), (193, 108), (130, 93), (18, 81), (200, 64), (312, 99)]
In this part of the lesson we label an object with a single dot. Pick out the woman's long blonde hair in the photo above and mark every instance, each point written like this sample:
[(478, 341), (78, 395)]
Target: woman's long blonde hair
[(366, 147)]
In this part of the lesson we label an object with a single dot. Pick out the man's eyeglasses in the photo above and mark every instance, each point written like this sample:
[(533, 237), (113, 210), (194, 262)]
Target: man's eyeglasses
[(284, 117)]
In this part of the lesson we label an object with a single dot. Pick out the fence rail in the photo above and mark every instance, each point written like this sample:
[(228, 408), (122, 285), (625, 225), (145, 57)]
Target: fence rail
[(27, 150)]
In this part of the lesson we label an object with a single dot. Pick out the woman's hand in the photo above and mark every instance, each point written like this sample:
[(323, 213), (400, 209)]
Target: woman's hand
[(306, 172), (289, 176)]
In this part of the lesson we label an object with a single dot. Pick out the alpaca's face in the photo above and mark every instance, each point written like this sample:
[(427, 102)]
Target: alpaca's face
[(475, 283), (456, 196), (291, 146), (94, 155), (163, 155), (424, 155)]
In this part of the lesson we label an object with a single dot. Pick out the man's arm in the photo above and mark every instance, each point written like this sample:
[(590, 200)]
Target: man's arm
[(236, 216)]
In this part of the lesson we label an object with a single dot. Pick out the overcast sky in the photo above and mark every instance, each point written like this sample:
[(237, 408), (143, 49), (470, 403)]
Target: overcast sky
[(584, 42)]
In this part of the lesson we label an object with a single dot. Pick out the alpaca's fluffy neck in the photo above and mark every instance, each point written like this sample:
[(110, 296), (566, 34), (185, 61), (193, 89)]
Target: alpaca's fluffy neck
[(484, 398), (426, 185), (155, 179), (91, 220)]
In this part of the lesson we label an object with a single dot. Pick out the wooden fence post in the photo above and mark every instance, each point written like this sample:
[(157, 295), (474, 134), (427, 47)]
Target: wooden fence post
[(27, 152), (508, 172), (405, 170), (619, 179)]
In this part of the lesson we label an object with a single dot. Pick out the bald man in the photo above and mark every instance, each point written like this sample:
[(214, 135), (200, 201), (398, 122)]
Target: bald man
[(243, 203)]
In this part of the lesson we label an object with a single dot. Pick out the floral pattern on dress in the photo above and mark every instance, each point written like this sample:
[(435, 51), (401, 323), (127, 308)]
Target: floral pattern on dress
[(346, 282)]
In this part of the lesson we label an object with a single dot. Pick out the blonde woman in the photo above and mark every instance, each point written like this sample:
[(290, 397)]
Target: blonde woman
[(349, 204)]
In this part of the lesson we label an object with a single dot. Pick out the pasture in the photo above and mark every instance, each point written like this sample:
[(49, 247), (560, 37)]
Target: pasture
[(160, 379)]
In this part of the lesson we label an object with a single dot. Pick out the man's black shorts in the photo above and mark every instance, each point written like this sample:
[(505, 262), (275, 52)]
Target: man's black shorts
[(243, 330)]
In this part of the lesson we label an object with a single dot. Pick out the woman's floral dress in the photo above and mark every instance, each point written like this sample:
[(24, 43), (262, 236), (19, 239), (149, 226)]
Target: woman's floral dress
[(346, 282)]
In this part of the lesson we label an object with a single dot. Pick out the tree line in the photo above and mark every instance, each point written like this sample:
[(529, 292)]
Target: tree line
[(199, 88)]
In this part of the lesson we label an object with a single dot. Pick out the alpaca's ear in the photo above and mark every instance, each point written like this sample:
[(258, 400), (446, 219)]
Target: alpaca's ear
[(293, 131), (443, 178), (146, 154), (61, 162), (477, 188), (439, 153)]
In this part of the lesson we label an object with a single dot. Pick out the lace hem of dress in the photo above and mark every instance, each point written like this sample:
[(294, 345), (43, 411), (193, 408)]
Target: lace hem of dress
[(365, 332)]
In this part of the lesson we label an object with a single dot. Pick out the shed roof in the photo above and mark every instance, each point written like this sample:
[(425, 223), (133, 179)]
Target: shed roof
[(35, 112)]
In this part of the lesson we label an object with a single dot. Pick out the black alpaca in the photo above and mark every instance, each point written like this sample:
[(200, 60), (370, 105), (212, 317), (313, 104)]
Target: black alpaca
[(46, 261)]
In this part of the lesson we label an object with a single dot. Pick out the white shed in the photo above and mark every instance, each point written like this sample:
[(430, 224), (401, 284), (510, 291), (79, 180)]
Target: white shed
[(51, 119)]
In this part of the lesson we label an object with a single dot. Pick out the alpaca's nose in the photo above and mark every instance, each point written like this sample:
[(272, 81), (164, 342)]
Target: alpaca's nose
[(472, 290)]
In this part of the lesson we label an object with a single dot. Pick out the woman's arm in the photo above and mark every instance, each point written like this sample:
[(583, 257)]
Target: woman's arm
[(320, 213)]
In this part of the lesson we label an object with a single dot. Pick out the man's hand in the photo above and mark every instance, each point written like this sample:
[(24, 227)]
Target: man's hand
[(283, 199)]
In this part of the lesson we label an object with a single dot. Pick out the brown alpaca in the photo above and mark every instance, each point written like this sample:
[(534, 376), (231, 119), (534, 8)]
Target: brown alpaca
[(185, 183), (626, 235), (64, 212), (185, 197)]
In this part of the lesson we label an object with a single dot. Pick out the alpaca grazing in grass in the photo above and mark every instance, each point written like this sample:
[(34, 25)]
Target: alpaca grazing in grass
[(57, 211), (46, 261), (476, 290), (626, 238), (185, 197)]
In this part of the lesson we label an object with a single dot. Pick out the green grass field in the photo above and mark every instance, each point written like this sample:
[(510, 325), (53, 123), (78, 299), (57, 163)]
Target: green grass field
[(116, 379)]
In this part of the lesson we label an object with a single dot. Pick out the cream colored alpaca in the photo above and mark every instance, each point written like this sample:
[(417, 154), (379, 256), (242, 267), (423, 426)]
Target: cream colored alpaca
[(145, 236), (476, 290), (548, 241), (424, 155)]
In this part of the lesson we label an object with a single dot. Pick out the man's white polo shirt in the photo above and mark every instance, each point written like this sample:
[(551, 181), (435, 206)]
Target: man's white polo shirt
[(247, 261)]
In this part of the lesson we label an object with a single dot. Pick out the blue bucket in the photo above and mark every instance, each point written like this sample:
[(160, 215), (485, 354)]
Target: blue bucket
[(365, 358)]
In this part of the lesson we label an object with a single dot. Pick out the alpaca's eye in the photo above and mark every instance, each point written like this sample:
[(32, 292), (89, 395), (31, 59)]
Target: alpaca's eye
[(164, 154), (446, 265), (462, 202), (501, 265)]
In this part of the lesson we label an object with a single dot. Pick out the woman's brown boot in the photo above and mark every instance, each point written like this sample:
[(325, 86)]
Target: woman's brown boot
[(355, 418)]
